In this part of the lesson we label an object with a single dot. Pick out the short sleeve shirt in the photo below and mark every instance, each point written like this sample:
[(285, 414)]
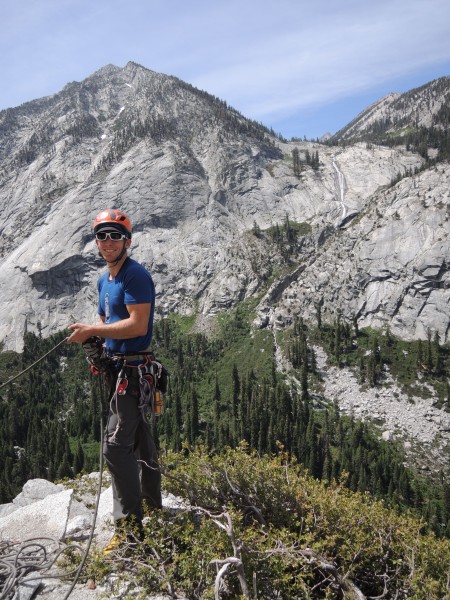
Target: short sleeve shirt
[(132, 285)]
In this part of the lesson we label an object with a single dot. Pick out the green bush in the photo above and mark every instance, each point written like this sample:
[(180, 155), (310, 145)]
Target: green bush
[(262, 527)]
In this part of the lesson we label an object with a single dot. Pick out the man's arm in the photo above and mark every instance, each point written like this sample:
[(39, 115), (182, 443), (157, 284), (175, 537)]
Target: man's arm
[(134, 326)]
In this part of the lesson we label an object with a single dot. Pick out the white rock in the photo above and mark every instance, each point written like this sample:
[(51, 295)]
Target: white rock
[(35, 490), (43, 518)]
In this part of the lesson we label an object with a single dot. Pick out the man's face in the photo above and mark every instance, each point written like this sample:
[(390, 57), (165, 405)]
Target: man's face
[(110, 249)]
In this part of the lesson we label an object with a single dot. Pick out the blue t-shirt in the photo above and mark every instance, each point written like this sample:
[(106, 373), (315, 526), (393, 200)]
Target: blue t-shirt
[(132, 285)]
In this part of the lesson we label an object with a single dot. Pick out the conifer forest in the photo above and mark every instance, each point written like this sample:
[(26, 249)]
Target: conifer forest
[(224, 390)]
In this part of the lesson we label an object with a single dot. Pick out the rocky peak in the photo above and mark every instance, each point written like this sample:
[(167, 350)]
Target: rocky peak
[(396, 114), (196, 177)]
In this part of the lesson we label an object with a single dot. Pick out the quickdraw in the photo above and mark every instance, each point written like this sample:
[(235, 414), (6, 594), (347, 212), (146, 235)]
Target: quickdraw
[(148, 379)]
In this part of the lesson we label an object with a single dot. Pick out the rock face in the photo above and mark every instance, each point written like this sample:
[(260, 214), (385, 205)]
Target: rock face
[(389, 267), (48, 515), (425, 106), (196, 177)]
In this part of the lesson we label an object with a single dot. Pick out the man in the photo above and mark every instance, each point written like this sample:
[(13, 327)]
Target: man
[(126, 308)]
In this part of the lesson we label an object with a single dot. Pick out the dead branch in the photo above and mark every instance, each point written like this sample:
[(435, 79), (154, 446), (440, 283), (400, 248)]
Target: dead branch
[(249, 504), (225, 523), (347, 587)]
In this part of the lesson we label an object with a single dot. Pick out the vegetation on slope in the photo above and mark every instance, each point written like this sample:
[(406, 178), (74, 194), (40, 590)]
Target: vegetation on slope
[(259, 526), (223, 391)]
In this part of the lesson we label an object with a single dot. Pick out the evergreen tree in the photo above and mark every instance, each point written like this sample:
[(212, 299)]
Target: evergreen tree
[(429, 356), (176, 425), (304, 382), (217, 416), (195, 427), (64, 469), (296, 162), (318, 306), (438, 358), (78, 459), (337, 340), (420, 364)]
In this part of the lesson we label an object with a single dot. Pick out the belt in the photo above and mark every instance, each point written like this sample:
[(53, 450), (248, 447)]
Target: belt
[(129, 358)]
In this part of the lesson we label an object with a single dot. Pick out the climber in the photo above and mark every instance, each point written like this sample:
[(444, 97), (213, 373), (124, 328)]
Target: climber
[(126, 308)]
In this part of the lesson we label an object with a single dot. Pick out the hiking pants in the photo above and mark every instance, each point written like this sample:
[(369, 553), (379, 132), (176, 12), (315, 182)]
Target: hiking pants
[(131, 455)]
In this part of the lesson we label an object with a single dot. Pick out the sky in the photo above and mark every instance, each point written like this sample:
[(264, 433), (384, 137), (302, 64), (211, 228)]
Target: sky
[(301, 67)]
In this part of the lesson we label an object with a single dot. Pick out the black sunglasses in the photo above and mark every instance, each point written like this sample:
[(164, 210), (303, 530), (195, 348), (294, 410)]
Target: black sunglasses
[(101, 236)]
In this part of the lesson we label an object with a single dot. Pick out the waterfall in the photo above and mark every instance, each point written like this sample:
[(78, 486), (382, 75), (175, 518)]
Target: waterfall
[(341, 186)]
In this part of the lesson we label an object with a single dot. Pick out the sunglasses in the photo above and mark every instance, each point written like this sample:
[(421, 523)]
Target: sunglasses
[(115, 236)]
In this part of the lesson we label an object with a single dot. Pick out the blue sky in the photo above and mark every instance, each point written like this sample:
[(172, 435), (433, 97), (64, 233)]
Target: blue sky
[(303, 67)]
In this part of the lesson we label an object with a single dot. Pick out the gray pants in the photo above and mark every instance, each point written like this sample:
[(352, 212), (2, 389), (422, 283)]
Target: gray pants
[(131, 456)]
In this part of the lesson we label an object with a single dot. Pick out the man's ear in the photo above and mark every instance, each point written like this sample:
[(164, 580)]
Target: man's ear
[(127, 243)]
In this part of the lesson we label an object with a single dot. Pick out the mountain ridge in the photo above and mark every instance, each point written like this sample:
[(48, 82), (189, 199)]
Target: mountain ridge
[(196, 177), (415, 108)]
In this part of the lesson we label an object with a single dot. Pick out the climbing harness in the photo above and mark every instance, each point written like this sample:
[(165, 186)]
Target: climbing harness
[(151, 373)]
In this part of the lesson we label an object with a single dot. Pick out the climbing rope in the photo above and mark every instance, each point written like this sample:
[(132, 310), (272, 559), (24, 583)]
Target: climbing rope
[(97, 502), (19, 560), (33, 365)]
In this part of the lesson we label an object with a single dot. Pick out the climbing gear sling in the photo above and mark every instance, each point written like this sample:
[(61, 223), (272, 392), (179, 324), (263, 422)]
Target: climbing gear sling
[(117, 368)]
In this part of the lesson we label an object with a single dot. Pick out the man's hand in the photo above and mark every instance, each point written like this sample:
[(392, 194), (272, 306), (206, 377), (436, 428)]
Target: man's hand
[(81, 332)]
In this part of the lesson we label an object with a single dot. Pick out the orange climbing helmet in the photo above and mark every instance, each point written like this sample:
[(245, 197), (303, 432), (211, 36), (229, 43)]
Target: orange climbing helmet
[(113, 218)]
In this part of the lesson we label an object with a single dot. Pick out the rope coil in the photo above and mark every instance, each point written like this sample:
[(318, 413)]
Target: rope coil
[(19, 560)]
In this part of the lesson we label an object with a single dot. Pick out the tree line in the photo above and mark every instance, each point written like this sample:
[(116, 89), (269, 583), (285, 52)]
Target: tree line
[(306, 158), (268, 414), (50, 418)]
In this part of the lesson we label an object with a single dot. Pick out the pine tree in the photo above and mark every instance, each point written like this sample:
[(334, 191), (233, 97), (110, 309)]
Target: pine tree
[(217, 416), (188, 423), (420, 364), (256, 229), (78, 459), (318, 306), (337, 340), (64, 469), (438, 358), (328, 464), (313, 463), (176, 425), (313, 362), (296, 162), (195, 426), (304, 382), (429, 357)]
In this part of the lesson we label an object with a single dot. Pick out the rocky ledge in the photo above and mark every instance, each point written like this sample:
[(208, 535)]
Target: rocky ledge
[(45, 518)]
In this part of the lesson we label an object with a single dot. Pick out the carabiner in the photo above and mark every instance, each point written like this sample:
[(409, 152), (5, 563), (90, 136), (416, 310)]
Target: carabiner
[(122, 384)]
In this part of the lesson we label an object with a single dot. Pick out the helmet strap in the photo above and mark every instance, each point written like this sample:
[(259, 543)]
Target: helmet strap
[(119, 258), (121, 255)]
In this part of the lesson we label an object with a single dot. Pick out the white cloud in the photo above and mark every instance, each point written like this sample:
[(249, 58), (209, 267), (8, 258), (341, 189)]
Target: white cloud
[(346, 53)]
